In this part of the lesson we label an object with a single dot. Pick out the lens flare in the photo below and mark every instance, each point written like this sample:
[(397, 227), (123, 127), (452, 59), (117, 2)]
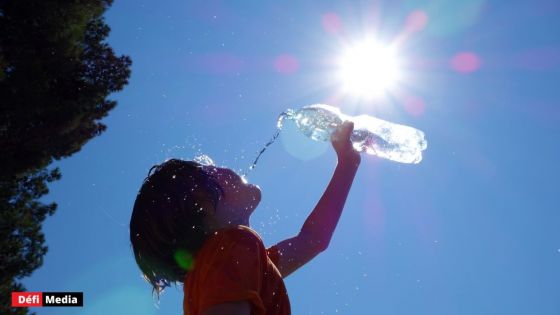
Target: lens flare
[(286, 64), (465, 62), (416, 21), (414, 105), (332, 23), (184, 259)]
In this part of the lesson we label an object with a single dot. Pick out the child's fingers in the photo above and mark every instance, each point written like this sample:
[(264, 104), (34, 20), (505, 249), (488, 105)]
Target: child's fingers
[(347, 128), (343, 131)]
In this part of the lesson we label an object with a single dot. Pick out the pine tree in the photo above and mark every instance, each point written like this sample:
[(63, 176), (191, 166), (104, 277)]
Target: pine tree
[(56, 74)]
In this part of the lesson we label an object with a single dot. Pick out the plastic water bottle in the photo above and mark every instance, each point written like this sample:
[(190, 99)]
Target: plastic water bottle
[(372, 135)]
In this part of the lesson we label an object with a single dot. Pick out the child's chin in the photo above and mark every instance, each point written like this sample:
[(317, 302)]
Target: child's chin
[(255, 200), (256, 190)]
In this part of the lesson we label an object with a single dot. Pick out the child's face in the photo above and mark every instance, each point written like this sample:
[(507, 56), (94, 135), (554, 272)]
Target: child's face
[(239, 199)]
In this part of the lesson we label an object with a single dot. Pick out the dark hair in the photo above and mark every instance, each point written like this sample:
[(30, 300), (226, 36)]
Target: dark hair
[(166, 226)]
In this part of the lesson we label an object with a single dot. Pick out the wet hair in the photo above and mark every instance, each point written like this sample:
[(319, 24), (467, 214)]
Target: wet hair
[(167, 223)]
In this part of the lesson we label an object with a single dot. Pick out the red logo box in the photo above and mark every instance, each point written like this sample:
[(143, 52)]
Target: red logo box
[(27, 299)]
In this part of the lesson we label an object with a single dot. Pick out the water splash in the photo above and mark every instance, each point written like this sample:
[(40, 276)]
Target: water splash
[(204, 160), (289, 113)]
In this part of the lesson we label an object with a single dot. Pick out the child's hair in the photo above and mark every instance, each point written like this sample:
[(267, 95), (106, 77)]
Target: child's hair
[(166, 226)]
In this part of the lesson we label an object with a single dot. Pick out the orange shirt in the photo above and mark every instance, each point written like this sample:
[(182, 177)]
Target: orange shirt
[(234, 265)]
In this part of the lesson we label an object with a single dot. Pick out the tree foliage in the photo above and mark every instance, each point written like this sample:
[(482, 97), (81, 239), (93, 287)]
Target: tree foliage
[(56, 73)]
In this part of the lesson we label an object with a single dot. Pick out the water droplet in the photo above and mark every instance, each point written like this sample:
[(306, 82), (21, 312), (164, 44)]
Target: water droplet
[(204, 160)]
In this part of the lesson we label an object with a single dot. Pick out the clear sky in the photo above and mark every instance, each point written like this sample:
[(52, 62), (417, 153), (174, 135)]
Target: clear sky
[(472, 229)]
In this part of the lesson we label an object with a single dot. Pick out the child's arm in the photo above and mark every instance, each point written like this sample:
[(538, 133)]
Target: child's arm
[(317, 231)]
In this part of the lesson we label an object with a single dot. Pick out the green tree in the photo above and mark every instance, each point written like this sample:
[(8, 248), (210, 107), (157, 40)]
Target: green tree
[(56, 74)]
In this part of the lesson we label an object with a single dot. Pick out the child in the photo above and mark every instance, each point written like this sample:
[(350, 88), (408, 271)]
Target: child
[(190, 224)]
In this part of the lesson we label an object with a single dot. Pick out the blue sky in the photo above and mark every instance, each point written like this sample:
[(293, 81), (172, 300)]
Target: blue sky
[(472, 229)]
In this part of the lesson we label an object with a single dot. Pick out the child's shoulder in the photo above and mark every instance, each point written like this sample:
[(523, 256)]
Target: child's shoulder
[(232, 241), (242, 234)]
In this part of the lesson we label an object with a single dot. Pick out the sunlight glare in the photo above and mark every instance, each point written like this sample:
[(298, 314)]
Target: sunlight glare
[(368, 69)]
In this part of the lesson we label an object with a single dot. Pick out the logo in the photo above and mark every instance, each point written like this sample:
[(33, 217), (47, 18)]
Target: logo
[(40, 299)]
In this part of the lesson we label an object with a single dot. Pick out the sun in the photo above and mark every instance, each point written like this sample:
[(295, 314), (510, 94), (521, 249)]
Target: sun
[(368, 69)]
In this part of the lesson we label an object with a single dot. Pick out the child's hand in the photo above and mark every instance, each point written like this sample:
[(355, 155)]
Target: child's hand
[(341, 143)]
